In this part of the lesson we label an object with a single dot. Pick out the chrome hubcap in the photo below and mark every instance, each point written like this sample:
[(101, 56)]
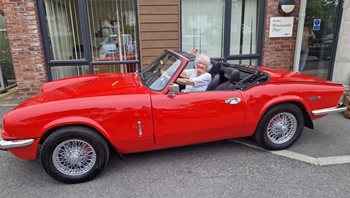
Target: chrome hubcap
[(282, 128), (74, 157)]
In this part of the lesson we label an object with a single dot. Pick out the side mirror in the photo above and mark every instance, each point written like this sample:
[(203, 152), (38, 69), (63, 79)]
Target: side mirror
[(174, 88)]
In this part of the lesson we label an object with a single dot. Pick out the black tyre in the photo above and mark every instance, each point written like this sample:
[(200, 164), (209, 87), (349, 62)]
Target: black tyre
[(74, 154), (280, 127)]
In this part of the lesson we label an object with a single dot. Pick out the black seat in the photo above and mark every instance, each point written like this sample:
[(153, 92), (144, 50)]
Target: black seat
[(233, 76), (215, 75)]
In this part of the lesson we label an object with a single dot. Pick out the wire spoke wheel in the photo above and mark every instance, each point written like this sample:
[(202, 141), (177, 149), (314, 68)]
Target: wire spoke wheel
[(74, 157), (282, 128), (74, 154)]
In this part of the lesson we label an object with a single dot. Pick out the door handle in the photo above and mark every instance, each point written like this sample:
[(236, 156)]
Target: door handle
[(233, 101)]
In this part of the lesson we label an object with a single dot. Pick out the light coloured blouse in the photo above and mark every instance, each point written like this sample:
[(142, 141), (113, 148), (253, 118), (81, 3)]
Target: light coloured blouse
[(200, 82)]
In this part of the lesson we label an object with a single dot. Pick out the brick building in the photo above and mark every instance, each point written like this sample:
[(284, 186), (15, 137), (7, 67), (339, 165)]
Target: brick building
[(53, 39)]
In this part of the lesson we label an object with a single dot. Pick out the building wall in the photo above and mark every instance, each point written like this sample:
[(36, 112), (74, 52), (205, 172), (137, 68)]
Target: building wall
[(279, 52), (26, 46), (341, 72), (159, 27)]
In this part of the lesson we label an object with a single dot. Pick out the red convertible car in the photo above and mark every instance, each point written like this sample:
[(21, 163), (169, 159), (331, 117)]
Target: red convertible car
[(74, 123)]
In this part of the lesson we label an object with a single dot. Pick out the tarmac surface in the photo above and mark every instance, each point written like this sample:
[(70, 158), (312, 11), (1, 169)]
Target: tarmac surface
[(317, 165), (331, 137)]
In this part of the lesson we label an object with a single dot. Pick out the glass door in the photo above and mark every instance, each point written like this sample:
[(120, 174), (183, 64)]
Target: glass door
[(7, 73), (320, 37)]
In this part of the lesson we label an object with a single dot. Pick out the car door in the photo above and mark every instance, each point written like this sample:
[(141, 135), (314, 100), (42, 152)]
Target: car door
[(188, 118)]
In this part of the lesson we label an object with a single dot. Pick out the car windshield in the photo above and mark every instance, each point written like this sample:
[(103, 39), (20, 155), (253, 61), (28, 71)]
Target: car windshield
[(158, 74)]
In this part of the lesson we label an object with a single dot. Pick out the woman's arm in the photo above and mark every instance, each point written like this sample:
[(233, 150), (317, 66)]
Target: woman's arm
[(183, 74), (201, 80), (184, 81)]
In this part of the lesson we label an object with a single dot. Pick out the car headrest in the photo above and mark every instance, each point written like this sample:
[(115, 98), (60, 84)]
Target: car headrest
[(235, 76), (216, 67), (232, 74), (213, 62)]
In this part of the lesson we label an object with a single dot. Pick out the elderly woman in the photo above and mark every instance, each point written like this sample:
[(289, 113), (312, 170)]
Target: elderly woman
[(196, 79)]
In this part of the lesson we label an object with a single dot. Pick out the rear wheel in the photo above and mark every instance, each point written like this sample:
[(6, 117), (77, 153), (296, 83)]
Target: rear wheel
[(280, 127), (74, 154)]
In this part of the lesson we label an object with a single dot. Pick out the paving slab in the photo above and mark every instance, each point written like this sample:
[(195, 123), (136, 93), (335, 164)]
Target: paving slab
[(10, 98)]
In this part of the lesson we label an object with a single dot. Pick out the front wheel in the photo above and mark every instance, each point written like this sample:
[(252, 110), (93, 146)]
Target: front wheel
[(280, 127), (74, 154)]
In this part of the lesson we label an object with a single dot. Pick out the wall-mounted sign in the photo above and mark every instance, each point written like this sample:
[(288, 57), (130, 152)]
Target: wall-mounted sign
[(317, 24), (281, 27)]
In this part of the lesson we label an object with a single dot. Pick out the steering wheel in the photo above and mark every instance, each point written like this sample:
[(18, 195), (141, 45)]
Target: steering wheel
[(152, 78)]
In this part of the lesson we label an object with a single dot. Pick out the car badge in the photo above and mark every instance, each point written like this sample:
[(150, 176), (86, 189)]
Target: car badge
[(315, 98)]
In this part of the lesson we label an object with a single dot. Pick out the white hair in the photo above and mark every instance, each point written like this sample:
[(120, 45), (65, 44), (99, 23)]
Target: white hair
[(205, 58)]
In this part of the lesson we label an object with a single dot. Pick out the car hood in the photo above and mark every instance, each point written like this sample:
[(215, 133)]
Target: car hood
[(88, 86), (277, 75)]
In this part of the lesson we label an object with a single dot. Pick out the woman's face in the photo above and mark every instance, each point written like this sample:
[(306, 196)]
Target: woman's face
[(202, 66)]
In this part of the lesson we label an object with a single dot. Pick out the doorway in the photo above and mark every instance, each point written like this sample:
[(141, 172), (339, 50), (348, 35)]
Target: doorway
[(320, 37), (7, 74)]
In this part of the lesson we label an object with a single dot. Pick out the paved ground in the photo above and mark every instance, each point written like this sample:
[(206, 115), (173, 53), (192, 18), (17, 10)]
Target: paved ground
[(10, 97), (220, 169), (330, 137)]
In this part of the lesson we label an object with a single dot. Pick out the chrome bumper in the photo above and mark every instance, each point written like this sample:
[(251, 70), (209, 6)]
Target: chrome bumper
[(6, 144), (339, 108)]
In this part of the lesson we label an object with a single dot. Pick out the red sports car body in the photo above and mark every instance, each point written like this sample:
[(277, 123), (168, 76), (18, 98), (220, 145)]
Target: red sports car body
[(76, 119)]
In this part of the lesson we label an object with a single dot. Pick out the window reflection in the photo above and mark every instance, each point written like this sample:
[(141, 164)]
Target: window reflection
[(318, 41)]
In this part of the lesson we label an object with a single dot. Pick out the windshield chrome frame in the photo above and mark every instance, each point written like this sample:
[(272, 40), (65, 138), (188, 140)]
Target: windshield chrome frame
[(183, 64)]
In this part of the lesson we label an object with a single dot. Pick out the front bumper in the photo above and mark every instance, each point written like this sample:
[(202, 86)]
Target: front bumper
[(8, 144), (339, 108)]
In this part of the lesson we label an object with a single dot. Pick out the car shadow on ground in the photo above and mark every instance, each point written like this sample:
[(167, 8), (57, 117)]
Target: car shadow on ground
[(181, 158)]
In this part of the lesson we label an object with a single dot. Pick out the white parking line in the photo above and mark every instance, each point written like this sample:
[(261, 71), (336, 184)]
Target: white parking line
[(321, 161), (296, 156), (345, 159)]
